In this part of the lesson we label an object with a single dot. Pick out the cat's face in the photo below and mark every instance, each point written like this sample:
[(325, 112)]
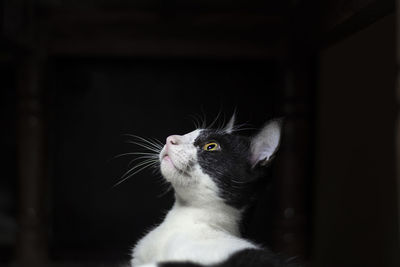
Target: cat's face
[(209, 165)]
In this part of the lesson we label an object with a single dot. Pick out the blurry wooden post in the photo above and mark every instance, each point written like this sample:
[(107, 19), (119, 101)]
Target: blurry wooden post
[(31, 247), (294, 168), (398, 108)]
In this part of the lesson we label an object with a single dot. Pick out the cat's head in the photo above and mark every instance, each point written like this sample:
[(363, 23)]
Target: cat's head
[(206, 165)]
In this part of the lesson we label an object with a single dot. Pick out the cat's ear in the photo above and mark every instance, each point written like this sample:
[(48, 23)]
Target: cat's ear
[(230, 125), (265, 143)]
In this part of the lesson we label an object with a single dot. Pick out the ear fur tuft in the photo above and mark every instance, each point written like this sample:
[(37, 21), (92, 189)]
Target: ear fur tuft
[(266, 142)]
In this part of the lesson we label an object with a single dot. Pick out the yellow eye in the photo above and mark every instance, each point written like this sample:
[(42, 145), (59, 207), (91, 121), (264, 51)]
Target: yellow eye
[(211, 146)]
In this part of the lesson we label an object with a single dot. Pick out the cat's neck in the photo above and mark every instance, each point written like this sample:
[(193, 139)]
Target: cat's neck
[(217, 216)]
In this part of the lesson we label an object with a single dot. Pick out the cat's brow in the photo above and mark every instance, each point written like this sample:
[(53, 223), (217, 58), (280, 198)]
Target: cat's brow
[(207, 135)]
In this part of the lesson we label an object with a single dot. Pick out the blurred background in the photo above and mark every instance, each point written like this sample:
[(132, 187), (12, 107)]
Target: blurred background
[(78, 75)]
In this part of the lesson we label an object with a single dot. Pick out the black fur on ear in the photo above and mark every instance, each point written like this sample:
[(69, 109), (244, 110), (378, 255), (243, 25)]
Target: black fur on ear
[(265, 143)]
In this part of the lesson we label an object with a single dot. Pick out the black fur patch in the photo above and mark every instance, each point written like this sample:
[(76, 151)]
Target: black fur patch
[(256, 258), (247, 257), (230, 166)]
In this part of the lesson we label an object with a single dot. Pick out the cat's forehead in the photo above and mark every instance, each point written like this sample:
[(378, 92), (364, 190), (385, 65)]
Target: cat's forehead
[(199, 136), (215, 135), (192, 136)]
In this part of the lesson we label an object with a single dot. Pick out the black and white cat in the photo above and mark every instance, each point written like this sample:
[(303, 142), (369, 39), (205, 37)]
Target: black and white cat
[(214, 174)]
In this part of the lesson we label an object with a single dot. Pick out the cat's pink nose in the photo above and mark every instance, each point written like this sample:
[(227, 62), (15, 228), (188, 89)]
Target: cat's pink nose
[(173, 140)]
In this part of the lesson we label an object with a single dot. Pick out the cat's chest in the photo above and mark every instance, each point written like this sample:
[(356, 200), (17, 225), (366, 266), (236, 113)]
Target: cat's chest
[(177, 241)]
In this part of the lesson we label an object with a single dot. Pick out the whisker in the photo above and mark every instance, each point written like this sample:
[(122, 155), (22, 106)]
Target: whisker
[(215, 120), (221, 125), (203, 119), (169, 188), (152, 142), (130, 175), (134, 153), (240, 127), (197, 121), (146, 157), (158, 142), (152, 161), (142, 157), (154, 149)]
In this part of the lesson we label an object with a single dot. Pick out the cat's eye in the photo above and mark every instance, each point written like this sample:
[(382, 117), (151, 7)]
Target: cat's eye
[(211, 146)]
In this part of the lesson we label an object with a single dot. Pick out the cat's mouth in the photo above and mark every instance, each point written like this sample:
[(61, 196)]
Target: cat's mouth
[(166, 157)]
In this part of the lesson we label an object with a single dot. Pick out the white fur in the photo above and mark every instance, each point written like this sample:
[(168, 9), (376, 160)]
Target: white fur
[(200, 227)]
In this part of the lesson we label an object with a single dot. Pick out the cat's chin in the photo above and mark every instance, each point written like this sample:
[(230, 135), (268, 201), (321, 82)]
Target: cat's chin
[(167, 165), (168, 169), (173, 175)]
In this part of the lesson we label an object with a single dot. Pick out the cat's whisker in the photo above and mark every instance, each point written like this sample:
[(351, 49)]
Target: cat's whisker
[(241, 127), (154, 149), (152, 142), (221, 125), (145, 162), (142, 157), (134, 153), (147, 141), (169, 189), (158, 145), (157, 142), (214, 121), (123, 179), (149, 164), (136, 167), (161, 144), (148, 158), (234, 182), (145, 145), (239, 182), (203, 120), (196, 121)]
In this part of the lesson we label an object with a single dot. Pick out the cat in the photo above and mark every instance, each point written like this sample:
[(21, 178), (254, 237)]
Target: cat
[(215, 174)]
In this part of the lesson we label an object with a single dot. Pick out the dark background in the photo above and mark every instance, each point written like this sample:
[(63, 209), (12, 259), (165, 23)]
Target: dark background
[(76, 76)]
